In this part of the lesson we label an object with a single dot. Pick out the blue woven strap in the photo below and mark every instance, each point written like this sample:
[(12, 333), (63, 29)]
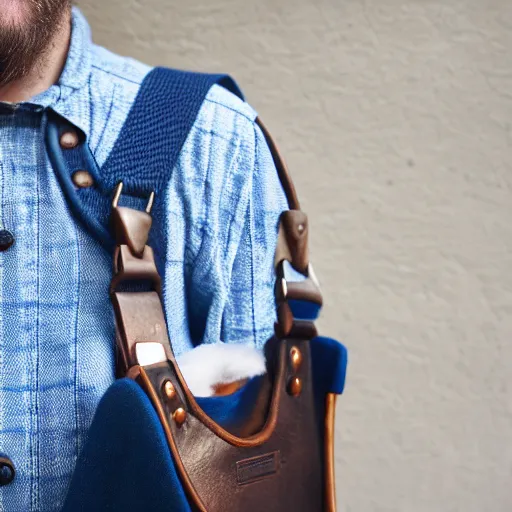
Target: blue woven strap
[(158, 124), (146, 150)]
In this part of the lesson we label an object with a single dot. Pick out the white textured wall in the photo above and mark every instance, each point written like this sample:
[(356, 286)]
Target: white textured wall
[(396, 121)]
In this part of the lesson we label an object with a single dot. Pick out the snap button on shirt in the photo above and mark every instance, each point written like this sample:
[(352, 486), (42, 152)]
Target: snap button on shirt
[(6, 239), (7, 471), (55, 324)]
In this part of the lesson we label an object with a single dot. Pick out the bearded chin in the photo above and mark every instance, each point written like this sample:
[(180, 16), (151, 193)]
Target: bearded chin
[(25, 42)]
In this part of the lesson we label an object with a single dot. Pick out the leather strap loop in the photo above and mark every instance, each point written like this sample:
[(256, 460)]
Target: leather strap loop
[(292, 240), (132, 228), (128, 268), (306, 290), (139, 319)]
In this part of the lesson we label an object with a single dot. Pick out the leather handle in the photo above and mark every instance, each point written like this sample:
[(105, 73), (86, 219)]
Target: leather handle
[(292, 246), (282, 168)]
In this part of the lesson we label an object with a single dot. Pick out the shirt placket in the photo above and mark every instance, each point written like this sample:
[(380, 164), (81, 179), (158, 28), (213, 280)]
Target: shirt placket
[(20, 306)]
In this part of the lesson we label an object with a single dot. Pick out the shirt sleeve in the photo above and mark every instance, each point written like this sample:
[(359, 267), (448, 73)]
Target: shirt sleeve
[(223, 207), (250, 311)]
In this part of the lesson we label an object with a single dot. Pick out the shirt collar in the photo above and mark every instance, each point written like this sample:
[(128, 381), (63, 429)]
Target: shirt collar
[(75, 74), (78, 63)]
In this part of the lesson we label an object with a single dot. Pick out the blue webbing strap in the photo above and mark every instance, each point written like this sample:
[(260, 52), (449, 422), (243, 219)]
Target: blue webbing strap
[(145, 152), (156, 128)]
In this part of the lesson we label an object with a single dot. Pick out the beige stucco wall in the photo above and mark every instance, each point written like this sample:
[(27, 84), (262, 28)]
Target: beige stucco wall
[(396, 118)]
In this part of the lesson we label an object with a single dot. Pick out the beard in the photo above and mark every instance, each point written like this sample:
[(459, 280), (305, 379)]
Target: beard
[(27, 28)]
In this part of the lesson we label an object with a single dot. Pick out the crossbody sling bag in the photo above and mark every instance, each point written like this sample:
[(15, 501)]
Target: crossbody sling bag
[(153, 445)]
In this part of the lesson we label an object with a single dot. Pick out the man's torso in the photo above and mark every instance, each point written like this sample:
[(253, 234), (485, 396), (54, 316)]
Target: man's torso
[(56, 323)]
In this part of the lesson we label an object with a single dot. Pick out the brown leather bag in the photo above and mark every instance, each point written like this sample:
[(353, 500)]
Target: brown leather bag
[(280, 456)]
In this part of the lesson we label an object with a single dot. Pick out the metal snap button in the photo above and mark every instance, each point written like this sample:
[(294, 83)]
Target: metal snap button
[(169, 389), (296, 358), (6, 239), (82, 179), (69, 140), (7, 471)]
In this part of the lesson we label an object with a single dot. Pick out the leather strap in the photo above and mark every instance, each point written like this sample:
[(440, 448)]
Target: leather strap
[(292, 248), (282, 168)]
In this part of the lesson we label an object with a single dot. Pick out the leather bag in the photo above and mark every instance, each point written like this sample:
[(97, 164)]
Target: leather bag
[(277, 452)]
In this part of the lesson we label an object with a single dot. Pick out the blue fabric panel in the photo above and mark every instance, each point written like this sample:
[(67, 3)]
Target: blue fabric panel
[(329, 359), (231, 409), (304, 310), (65, 163), (126, 463)]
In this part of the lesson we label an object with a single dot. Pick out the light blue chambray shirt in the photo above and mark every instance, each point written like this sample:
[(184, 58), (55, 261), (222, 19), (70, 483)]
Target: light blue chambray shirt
[(57, 331)]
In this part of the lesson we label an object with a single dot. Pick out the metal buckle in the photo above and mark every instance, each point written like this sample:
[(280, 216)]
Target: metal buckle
[(307, 289), (117, 196), (299, 291)]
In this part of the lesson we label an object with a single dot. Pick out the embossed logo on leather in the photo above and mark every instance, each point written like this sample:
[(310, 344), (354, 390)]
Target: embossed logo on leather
[(256, 468)]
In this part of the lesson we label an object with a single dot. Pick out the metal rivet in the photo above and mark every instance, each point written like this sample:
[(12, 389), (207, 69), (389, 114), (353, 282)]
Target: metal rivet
[(82, 179), (295, 386), (69, 140), (179, 416), (301, 228), (296, 358), (169, 390)]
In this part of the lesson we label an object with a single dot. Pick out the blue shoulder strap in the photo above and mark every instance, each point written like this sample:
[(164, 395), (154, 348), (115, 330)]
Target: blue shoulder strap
[(157, 126), (146, 151)]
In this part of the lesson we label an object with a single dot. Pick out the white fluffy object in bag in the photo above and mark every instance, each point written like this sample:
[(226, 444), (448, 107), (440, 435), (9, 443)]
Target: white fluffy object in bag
[(213, 364)]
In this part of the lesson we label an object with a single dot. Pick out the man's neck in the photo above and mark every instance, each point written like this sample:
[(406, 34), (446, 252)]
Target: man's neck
[(46, 73)]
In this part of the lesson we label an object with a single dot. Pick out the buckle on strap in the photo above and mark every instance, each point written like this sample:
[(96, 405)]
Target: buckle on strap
[(306, 288), (297, 292), (119, 190), (133, 258), (142, 337)]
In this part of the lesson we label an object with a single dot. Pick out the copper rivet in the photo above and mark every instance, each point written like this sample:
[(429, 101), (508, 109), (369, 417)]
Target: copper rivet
[(169, 390), (69, 140), (295, 386), (179, 416), (296, 358), (82, 179)]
